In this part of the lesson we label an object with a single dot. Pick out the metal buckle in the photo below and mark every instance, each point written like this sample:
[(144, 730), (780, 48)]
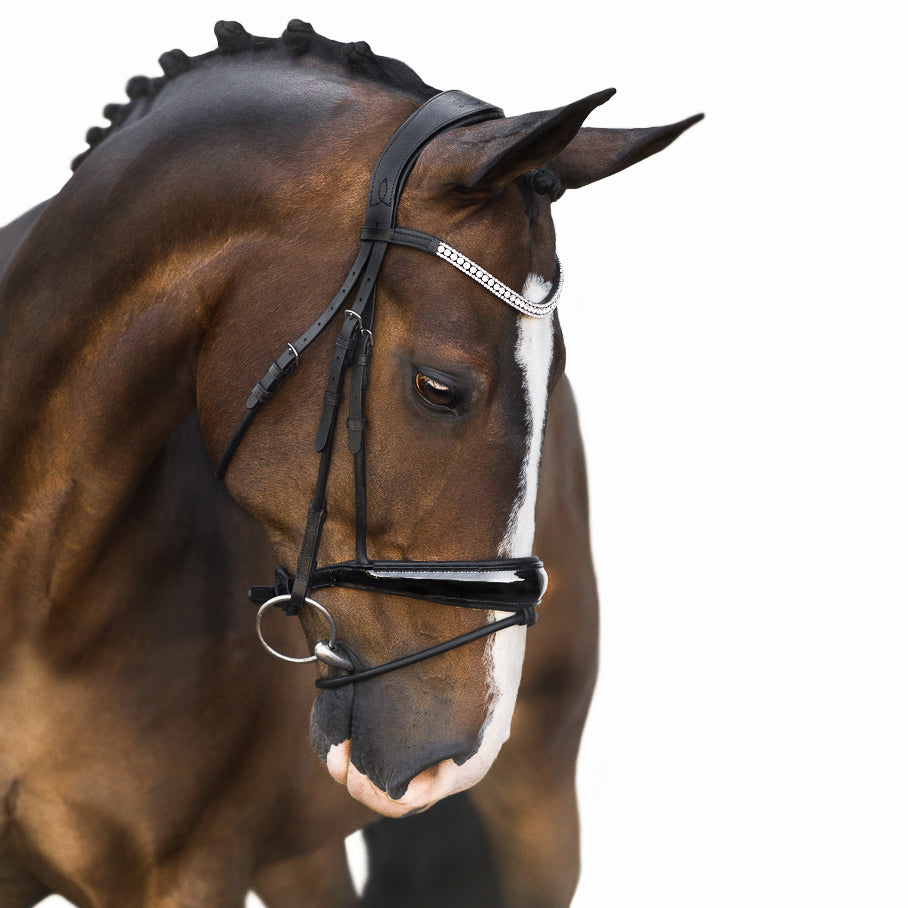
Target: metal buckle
[(323, 651), (359, 320)]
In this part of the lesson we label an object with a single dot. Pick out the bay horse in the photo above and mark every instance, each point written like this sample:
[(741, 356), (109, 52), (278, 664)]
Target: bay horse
[(152, 753)]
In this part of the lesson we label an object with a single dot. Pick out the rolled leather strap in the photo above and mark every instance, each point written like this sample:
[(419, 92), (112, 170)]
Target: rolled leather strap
[(524, 616)]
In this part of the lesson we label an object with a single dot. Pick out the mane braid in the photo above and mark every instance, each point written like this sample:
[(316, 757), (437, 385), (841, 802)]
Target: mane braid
[(298, 38)]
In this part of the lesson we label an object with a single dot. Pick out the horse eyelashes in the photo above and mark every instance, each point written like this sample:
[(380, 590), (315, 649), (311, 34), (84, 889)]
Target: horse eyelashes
[(435, 391)]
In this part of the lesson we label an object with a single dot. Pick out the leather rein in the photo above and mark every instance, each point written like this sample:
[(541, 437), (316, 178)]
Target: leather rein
[(513, 585)]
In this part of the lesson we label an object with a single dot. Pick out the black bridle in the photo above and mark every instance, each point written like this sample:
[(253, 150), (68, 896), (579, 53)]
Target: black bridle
[(513, 585)]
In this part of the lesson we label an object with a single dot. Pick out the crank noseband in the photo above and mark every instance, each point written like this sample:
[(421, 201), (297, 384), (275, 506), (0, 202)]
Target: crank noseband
[(513, 586)]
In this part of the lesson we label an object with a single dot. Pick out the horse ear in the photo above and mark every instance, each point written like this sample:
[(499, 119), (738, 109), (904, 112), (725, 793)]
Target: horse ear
[(594, 154), (482, 157)]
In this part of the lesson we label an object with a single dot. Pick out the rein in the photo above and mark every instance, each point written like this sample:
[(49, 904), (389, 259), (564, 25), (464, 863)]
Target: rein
[(514, 585)]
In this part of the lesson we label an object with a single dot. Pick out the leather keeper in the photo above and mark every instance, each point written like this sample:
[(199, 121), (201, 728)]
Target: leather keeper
[(329, 415), (355, 429)]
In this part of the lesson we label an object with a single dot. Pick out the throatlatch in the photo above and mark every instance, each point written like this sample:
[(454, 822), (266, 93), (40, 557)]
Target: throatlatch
[(514, 585)]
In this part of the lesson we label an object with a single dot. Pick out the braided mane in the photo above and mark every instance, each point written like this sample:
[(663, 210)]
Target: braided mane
[(299, 38)]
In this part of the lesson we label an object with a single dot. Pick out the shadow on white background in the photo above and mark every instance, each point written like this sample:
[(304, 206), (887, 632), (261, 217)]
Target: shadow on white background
[(736, 329)]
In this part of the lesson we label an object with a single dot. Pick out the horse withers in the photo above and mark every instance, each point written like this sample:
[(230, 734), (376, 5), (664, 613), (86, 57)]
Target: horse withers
[(152, 753)]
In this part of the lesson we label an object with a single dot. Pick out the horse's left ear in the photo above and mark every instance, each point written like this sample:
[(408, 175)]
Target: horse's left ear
[(594, 154), (479, 158)]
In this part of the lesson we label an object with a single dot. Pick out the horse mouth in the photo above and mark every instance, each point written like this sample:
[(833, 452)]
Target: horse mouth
[(403, 741), (394, 777), (418, 794)]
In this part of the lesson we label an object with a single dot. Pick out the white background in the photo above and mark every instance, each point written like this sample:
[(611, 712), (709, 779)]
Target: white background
[(736, 329)]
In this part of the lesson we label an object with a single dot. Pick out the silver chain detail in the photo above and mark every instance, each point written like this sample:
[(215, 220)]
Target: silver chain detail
[(497, 288)]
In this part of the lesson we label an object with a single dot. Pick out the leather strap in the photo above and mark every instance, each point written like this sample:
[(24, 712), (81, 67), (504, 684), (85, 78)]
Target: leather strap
[(510, 584), (506, 585), (306, 561), (281, 369), (402, 236), (527, 616), (440, 113)]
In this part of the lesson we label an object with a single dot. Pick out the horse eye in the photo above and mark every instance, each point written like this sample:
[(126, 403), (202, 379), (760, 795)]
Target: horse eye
[(435, 391)]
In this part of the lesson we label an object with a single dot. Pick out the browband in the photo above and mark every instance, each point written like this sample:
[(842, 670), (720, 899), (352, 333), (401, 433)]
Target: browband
[(425, 242)]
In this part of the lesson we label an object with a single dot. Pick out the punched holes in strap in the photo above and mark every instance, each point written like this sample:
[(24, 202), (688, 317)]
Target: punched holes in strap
[(333, 396)]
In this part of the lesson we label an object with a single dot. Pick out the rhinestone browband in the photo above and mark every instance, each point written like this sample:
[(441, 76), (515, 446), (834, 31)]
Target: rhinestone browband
[(502, 291)]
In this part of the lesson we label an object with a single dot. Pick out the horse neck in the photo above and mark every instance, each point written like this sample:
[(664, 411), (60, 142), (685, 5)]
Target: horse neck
[(103, 311), (96, 367)]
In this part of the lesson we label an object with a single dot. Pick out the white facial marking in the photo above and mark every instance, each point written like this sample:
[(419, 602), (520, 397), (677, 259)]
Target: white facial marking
[(503, 656), (535, 345)]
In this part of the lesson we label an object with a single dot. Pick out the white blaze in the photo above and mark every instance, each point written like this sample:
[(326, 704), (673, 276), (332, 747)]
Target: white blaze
[(535, 344), (504, 651)]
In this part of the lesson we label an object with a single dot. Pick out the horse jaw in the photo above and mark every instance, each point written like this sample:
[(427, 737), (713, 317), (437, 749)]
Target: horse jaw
[(504, 651)]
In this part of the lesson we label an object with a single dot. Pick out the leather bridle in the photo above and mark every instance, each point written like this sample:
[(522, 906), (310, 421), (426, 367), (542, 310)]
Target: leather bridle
[(513, 585)]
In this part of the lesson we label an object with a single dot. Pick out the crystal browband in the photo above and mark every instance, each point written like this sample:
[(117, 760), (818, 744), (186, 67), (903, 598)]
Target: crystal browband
[(425, 242), (502, 291)]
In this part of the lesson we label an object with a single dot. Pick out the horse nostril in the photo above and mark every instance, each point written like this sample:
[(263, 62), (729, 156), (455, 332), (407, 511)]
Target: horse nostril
[(399, 781)]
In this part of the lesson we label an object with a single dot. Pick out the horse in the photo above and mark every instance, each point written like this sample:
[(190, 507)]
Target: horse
[(152, 752)]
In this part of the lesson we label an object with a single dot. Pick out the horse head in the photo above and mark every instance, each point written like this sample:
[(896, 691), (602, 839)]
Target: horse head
[(246, 181), (455, 411)]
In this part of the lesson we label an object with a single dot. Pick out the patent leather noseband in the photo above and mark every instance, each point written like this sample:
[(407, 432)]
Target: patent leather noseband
[(514, 586)]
